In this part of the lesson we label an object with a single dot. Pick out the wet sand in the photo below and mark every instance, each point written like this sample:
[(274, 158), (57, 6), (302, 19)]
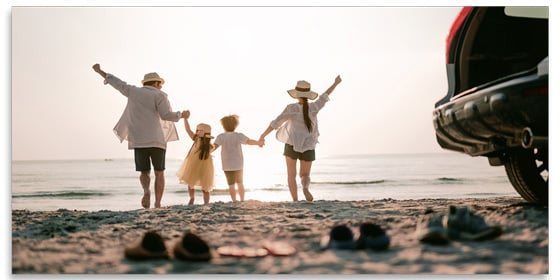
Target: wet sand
[(67, 241)]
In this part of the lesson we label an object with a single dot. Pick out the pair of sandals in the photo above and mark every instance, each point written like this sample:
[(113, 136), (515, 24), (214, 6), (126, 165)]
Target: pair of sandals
[(152, 246), (458, 223), (371, 236), (193, 248)]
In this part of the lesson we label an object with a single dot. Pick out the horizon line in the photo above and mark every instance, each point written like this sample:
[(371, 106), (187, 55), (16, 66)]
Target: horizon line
[(173, 158)]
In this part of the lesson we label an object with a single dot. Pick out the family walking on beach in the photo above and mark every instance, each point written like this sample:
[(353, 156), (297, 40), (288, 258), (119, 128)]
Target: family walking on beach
[(147, 123)]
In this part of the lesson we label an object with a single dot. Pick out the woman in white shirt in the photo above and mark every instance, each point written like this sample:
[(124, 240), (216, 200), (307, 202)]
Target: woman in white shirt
[(298, 128)]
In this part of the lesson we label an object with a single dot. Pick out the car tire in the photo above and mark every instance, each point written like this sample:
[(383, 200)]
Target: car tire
[(527, 170)]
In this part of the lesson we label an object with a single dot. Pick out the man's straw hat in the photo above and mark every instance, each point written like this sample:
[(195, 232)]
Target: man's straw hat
[(152, 77)]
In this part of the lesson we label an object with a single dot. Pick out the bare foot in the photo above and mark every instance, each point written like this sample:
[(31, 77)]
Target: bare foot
[(305, 181), (157, 205), (146, 200), (191, 201), (307, 194)]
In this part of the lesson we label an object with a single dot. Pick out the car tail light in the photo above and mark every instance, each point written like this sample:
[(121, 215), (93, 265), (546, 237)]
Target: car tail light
[(459, 20), (538, 91)]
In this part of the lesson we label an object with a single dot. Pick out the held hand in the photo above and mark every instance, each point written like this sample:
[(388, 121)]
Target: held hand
[(96, 67), (261, 142), (186, 114)]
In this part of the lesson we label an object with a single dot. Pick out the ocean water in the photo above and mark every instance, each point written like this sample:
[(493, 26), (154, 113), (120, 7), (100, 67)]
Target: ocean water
[(113, 184)]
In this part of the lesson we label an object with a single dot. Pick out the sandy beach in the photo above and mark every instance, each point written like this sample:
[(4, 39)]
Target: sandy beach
[(67, 241)]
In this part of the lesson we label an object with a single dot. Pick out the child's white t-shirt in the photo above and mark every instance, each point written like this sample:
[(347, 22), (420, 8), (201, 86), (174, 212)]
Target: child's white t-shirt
[(232, 155)]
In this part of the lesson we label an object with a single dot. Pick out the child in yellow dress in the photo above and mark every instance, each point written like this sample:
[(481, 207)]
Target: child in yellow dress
[(197, 168)]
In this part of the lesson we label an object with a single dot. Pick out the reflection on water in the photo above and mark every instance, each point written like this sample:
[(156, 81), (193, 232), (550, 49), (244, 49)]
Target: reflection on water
[(101, 184)]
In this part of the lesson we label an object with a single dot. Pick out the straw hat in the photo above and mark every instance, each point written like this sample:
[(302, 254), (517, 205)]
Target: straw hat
[(152, 77), (303, 89), (205, 128)]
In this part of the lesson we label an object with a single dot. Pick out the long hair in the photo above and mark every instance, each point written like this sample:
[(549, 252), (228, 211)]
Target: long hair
[(306, 118), (205, 147)]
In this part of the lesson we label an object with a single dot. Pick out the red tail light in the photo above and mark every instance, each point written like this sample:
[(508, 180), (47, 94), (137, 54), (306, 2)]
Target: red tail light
[(454, 28), (538, 91)]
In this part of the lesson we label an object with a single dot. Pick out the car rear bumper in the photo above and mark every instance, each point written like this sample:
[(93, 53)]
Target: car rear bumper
[(495, 118)]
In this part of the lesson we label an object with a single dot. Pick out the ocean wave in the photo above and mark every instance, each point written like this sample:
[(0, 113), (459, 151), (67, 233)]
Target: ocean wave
[(350, 182), (450, 180), (484, 194), (68, 195), (273, 189), (215, 191)]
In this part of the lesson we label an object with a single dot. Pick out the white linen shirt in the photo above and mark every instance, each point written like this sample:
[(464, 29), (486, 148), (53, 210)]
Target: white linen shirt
[(232, 154), (147, 120), (291, 126)]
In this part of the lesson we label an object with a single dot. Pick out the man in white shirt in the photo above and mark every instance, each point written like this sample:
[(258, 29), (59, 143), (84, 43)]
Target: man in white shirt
[(147, 125)]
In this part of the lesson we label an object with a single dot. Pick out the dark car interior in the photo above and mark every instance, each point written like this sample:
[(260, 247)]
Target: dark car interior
[(498, 45)]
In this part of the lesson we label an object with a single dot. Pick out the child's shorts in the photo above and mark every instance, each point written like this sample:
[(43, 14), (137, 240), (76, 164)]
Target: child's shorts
[(234, 177), (307, 155)]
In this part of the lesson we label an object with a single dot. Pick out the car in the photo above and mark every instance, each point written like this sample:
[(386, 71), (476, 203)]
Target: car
[(496, 105)]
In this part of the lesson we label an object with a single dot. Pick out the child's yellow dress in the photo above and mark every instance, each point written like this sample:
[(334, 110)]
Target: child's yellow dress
[(195, 171)]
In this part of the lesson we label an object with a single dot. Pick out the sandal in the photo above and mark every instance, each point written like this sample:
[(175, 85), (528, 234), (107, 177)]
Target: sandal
[(151, 246), (192, 248), (463, 224), (372, 237), (430, 229), (340, 237), (238, 252), (279, 248)]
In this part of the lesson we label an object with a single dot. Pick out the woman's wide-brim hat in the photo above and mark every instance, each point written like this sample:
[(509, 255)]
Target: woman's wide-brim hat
[(303, 89), (152, 77)]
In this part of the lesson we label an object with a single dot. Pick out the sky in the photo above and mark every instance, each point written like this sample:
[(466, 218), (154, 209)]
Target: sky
[(227, 60)]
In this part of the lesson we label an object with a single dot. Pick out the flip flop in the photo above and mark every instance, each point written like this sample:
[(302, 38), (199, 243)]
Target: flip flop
[(192, 248), (279, 248), (238, 252), (151, 246), (340, 237), (373, 237)]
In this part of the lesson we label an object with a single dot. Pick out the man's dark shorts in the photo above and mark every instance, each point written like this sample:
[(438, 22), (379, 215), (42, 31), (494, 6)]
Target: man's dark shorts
[(307, 155), (142, 157)]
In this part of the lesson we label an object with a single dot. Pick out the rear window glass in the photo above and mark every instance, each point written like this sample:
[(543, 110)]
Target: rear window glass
[(527, 12)]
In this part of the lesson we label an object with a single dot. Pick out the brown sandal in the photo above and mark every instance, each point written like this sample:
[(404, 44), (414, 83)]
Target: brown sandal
[(192, 248), (151, 246)]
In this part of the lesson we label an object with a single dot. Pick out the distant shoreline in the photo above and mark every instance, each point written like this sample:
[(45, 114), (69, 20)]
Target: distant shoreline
[(443, 153)]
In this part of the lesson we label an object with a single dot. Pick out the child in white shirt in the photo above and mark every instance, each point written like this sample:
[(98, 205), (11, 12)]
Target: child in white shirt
[(232, 154)]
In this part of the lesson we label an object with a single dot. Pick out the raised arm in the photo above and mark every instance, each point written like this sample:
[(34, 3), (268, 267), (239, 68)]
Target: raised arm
[(115, 82), (186, 115), (337, 81), (97, 68)]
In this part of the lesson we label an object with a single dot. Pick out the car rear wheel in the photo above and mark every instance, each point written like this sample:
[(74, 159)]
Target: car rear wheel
[(527, 170)]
